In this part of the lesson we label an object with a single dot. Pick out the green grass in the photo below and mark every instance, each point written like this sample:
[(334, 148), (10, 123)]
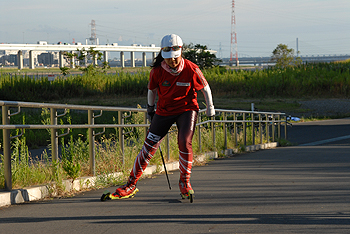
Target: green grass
[(25, 88), (315, 80), (308, 80)]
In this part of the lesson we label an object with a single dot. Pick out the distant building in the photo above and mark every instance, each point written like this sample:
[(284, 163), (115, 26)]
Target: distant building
[(41, 58), (48, 59), (8, 52), (9, 60)]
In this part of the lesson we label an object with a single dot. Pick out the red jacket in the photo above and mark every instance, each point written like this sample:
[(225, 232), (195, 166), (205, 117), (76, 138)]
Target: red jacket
[(177, 94)]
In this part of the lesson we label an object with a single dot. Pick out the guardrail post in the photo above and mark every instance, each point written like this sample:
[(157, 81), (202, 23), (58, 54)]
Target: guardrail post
[(267, 128), (279, 126), (91, 136), (225, 130), (260, 130), (244, 130), (199, 133), (7, 148), (253, 128), (213, 131), (235, 129), (285, 127), (54, 139), (273, 128)]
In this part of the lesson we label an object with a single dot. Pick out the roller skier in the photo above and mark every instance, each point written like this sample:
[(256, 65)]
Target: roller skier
[(175, 80)]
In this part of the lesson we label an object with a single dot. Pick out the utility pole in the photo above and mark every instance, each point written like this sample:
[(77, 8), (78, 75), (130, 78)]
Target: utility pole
[(234, 53)]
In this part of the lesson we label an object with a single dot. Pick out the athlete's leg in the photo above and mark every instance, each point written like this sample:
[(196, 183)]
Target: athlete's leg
[(158, 129), (186, 124)]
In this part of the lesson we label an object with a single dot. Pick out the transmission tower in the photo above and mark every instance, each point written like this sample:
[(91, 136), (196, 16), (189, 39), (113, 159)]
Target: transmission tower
[(234, 53), (93, 40)]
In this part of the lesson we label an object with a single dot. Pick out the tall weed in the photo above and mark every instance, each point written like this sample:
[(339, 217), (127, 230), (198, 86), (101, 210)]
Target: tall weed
[(312, 79)]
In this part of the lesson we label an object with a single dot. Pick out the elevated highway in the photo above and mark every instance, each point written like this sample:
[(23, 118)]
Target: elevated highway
[(259, 61), (43, 46), (61, 48), (67, 47)]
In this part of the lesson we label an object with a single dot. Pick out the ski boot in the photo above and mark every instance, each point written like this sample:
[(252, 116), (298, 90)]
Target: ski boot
[(125, 191), (186, 189)]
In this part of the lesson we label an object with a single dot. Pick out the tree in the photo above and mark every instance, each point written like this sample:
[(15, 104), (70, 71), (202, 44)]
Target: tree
[(83, 56), (200, 55), (284, 56)]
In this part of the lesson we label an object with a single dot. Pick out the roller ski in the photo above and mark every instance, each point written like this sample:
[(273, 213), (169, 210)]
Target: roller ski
[(123, 192), (186, 189), (189, 195)]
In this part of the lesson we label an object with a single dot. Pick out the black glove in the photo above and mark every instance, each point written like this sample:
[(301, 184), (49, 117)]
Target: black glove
[(150, 112)]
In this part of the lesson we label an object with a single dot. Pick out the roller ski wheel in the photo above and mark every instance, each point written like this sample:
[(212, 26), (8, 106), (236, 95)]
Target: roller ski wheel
[(109, 196), (189, 195), (106, 196)]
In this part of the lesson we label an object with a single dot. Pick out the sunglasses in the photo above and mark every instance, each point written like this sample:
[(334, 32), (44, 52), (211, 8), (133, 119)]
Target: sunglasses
[(174, 48)]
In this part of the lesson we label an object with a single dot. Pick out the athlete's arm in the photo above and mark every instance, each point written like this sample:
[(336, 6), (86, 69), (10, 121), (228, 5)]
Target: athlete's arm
[(208, 100), (151, 97)]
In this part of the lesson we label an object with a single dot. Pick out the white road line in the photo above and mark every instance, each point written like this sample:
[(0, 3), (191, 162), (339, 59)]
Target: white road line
[(326, 141)]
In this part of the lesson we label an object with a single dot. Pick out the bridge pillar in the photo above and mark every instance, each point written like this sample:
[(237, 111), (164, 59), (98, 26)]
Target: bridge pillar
[(60, 59), (122, 59), (95, 61), (132, 58), (144, 59), (72, 62), (20, 59), (31, 60), (154, 55), (105, 56)]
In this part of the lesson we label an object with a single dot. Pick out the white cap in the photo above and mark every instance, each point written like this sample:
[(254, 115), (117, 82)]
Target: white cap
[(170, 41)]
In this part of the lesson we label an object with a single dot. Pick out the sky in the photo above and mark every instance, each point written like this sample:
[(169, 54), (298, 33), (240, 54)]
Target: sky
[(322, 27)]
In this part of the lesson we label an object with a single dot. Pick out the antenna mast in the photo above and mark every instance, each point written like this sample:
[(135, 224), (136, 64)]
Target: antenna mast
[(234, 53)]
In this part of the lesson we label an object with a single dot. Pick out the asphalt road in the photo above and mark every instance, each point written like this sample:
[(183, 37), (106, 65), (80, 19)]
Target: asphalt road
[(298, 189)]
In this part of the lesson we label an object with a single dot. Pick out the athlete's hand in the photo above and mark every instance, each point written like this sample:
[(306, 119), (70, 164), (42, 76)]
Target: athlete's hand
[(150, 112), (210, 111)]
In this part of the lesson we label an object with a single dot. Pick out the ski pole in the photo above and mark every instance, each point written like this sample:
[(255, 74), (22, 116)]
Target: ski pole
[(166, 173), (161, 154)]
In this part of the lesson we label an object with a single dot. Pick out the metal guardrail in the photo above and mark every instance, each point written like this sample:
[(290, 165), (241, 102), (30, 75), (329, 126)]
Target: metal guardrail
[(227, 119)]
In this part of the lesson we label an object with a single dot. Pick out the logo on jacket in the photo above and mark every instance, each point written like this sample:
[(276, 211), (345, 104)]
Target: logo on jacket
[(166, 83)]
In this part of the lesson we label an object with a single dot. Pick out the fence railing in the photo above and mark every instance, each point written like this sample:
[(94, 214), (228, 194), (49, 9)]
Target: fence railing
[(231, 121)]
